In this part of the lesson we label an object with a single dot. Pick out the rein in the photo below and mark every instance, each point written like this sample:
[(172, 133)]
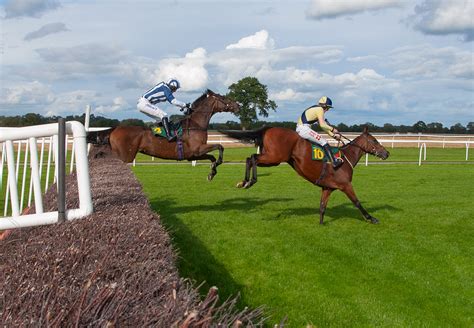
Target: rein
[(374, 152)]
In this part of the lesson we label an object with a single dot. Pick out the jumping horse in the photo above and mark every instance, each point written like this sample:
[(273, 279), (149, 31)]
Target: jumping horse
[(279, 145), (126, 141)]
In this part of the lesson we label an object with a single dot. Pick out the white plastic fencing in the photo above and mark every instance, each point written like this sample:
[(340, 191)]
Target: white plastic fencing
[(49, 135)]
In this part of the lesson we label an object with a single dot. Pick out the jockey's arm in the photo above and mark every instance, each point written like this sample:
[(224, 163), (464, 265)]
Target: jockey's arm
[(178, 103), (325, 126)]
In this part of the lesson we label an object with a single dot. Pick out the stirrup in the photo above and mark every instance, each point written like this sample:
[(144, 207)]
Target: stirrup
[(337, 162)]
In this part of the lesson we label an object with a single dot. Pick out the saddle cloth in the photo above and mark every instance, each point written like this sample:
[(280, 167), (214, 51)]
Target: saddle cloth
[(176, 129), (318, 154)]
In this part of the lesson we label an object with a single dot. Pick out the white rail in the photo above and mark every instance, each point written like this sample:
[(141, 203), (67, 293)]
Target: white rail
[(8, 136)]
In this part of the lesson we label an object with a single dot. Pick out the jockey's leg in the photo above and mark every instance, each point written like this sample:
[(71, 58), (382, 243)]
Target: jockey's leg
[(307, 133), (156, 113), (336, 161)]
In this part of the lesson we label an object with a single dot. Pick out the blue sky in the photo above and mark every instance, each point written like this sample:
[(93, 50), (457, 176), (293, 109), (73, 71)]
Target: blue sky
[(384, 61)]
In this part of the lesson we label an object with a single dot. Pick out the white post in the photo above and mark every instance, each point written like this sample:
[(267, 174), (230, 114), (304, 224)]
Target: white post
[(50, 151), (23, 180), (1, 167), (467, 151), (366, 159), (423, 146), (35, 177), (72, 155), (193, 163), (12, 180), (88, 116)]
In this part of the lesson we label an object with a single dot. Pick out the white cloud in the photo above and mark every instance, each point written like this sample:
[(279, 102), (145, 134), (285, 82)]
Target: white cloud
[(28, 8), (73, 102), (46, 30), (118, 103), (32, 93), (446, 17), (89, 54), (320, 9), (288, 94), (426, 61), (260, 40), (190, 70)]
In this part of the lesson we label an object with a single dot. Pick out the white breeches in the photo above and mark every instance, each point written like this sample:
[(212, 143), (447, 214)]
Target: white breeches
[(305, 131), (150, 110)]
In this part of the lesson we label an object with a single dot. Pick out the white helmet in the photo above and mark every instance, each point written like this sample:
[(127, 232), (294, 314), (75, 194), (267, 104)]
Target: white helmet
[(173, 84)]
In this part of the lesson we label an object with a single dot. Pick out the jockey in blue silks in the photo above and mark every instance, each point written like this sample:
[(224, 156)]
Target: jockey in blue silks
[(162, 92)]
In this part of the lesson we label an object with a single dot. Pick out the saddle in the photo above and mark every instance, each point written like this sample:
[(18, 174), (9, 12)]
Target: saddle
[(318, 153), (175, 129)]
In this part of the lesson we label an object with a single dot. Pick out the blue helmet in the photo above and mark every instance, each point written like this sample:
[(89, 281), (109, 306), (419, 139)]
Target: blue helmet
[(173, 84), (325, 101)]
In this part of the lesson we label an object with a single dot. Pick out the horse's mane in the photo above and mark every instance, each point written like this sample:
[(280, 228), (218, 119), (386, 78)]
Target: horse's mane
[(201, 98)]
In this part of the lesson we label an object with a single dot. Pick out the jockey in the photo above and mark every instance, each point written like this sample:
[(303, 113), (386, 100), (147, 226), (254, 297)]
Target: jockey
[(315, 115), (161, 92)]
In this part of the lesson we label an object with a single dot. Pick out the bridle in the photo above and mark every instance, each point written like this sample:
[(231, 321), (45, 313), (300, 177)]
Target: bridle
[(189, 117), (366, 149), (217, 98)]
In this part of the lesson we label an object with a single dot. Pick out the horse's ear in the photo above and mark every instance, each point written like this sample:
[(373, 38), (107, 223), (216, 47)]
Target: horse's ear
[(366, 129)]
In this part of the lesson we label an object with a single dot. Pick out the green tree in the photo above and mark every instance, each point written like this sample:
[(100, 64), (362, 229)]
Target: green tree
[(470, 127), (457, 128), (420, 126), (435, 127), (253, 97)]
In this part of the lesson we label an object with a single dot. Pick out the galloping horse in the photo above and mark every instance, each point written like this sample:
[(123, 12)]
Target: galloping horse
[(279, 145), (127, 141)]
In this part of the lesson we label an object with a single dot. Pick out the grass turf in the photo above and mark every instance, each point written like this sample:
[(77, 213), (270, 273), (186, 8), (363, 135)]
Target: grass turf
[(413, 269)]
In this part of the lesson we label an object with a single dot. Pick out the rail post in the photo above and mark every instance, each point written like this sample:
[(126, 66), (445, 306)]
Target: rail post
[(61, 170), (422, 147)]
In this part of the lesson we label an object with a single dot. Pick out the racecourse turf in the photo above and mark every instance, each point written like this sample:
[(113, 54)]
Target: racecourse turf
[(414, 269)]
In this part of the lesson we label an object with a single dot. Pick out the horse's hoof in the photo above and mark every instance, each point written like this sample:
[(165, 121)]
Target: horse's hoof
[(240, 184), (248, 185), (373, 220), (210, 177)]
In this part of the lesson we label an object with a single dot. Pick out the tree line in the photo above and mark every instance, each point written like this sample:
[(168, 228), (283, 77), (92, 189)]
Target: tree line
[(100, 121)]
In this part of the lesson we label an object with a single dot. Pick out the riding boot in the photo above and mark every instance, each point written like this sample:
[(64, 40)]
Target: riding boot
[(166, 126), (336, 161)]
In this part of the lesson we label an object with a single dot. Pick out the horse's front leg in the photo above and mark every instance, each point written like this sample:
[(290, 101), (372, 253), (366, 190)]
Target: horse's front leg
[(349, 191), (323, 203), (202, 153)]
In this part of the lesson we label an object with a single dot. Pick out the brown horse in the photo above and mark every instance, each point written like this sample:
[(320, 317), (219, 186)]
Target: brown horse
[(127, 141), (279, 145)]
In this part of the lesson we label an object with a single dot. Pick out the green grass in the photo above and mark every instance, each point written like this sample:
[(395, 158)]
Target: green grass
[(413, 269)]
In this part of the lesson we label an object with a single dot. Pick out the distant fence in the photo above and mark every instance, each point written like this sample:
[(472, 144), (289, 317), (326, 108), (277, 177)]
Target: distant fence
[(26, 140)]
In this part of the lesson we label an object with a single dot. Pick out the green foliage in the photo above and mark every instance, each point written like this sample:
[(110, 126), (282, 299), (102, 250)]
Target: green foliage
[(414, 269), (253, 98)]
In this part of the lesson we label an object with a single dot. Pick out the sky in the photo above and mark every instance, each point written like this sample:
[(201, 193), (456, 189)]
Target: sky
[(380, 61)]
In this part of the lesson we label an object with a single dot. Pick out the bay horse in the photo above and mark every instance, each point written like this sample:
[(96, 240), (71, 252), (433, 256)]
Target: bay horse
[(279, 145), (126, 141)]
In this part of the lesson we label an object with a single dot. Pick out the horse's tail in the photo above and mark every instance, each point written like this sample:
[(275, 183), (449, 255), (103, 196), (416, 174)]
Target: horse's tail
[(101, 137), (247, 136)]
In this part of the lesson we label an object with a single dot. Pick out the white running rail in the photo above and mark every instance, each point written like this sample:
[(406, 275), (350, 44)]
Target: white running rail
[(10, 135)]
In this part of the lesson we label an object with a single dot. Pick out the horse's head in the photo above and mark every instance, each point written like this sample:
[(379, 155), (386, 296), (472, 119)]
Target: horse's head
[(215, 103), (369, 144)]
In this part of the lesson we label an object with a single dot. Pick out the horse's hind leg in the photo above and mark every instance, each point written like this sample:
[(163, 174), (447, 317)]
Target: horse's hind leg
[(349, 191), (244, 182), (252, 160)]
